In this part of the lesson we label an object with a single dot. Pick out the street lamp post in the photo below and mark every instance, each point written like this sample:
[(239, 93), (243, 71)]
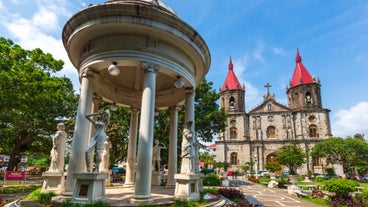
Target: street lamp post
[(256, 163)]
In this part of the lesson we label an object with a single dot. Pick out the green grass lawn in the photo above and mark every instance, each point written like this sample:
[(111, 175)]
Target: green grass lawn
[(11, 189)]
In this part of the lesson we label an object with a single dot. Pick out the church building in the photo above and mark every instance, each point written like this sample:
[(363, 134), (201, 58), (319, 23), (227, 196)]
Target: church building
[(258, 134)]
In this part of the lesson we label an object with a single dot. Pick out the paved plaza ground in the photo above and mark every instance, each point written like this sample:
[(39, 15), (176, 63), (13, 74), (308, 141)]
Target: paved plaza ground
[(118, 195)]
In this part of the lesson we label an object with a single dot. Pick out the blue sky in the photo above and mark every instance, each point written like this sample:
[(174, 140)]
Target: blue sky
[(260, 36)]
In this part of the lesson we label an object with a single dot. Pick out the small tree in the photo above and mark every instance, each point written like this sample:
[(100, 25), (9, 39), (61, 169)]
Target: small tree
[(226, 165), (207, 158), (247, 166), (223, 165), (273, 166), (291, 156), (218, 165)]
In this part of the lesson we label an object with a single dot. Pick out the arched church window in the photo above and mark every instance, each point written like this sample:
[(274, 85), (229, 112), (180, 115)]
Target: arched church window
[(233, 133), (313, 131), (269, 107), (271, 132), (232, 103), (234, 158), (316, 161), (308, 98)]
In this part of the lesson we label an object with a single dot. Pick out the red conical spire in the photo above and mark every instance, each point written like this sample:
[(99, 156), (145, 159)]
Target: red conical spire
[(298, 58), (301, 74), (231, 81), (230, 64)]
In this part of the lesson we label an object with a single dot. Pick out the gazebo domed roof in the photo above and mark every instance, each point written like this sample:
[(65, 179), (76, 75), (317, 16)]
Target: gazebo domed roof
[(128, 33), (155, 3)]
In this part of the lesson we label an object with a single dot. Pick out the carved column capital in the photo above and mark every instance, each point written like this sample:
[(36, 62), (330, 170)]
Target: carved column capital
[(150, 67), (86, 73), (189, 90), (174, 108)]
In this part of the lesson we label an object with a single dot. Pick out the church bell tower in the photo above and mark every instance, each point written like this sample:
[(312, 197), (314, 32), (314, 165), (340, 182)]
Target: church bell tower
[(304, 91), (232, 93)]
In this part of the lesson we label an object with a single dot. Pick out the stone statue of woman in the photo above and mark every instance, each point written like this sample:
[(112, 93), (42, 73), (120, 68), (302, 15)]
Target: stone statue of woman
[(104, 166), (58, 149), (156, 155), (187, 150), (98, 138)]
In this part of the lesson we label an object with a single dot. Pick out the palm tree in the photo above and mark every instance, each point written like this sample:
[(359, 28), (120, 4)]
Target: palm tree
[(247, 166), (207, 158)]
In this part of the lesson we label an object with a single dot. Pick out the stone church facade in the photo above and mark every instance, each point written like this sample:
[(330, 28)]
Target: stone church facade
[(257, 135)]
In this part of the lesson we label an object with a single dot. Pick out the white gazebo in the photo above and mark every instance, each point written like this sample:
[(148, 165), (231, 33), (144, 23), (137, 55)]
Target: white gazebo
[(138, 54)]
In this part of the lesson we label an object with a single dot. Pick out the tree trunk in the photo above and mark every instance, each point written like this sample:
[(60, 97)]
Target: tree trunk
[(15, 159)]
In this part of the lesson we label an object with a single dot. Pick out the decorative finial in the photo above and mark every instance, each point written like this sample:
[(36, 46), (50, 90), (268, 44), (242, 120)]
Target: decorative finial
[(298, 59), (230, 64)]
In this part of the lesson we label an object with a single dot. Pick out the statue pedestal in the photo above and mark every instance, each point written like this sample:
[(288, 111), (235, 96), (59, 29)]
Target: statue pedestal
[(53, 182), (156, 178), (187, 187), (89, 187)]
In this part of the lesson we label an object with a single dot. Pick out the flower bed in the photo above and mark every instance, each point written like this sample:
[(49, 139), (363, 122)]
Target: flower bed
[(237, 197)]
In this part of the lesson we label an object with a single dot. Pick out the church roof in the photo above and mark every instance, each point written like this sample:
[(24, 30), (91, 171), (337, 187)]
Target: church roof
[(212, 146), (301, 74), (270, 106), (231, 81)]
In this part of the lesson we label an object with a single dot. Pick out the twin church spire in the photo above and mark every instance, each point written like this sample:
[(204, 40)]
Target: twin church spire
[(302, 83), (300, 76)]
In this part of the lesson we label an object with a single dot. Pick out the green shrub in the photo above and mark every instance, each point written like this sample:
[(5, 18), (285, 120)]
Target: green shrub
[(330, 171), (185, 203), (340, 186), (282, 181), (36, 195), (212, 180), (319, 179), (264, 180), (210, 190), (365, 196)]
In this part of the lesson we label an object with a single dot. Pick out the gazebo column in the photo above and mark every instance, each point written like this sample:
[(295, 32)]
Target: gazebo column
[(77, 161), (173, 155), (189, 107), (95, 104), (132, 148), (189, 117), (142, 192), (187, 182)]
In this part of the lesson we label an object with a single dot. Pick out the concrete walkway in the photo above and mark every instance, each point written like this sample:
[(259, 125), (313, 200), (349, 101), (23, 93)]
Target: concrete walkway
[(269, 197), (119, 195)]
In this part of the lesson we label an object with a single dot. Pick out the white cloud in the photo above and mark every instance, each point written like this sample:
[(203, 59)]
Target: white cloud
[(45, 19), (278, 51), (36, 32), (1, 5), (240, 65), (252, 94), (258, 53), (348, 122)]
